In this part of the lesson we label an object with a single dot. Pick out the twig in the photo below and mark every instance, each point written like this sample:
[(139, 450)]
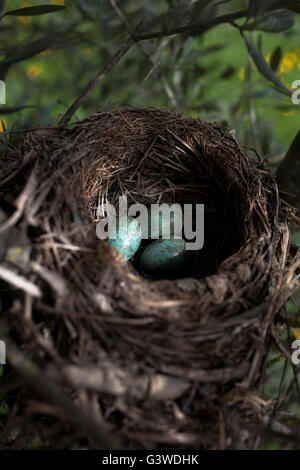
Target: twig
[(98, 78), (199, 26), (26, 160), (19, 282), (169, 92), (136, 37), (133, 39), (20, 203)]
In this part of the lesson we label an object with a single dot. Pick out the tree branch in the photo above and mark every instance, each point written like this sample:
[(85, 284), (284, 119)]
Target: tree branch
[(97, 79)]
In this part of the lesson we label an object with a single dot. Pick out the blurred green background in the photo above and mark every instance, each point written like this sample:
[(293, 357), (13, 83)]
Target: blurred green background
[(209, 76)]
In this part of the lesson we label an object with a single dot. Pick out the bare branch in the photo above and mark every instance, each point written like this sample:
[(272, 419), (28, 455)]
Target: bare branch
[(98, 78)]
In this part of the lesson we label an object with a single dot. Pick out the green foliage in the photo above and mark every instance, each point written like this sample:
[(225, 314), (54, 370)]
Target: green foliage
[(277, 22), (47, 61), (264, 67), (32, 11)]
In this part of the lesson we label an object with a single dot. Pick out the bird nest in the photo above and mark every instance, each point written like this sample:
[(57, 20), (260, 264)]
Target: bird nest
[(126, 360)]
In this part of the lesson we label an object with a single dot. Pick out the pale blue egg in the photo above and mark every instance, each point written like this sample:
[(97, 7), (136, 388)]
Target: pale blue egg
[(128, 237), (165, 258)]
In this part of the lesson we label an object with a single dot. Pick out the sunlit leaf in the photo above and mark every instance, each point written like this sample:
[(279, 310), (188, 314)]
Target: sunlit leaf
[(233, 6), (35, 10), (264, 68)]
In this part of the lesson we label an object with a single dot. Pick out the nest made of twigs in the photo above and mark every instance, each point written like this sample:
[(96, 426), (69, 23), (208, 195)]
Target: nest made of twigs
[(173, 362)]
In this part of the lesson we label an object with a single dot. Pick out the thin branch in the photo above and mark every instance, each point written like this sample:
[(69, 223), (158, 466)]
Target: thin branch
[(19, 282), (199, 26), (98, 78), (20, 203), (168, 90), (136, 37)]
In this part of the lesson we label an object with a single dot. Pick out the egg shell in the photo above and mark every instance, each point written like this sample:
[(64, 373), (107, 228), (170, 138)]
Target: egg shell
[(165, 258), (164, 223), (128, 237)]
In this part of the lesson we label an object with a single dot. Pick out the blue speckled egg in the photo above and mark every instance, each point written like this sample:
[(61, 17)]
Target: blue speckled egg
[(165, 258), (127, 242), (166, 224)]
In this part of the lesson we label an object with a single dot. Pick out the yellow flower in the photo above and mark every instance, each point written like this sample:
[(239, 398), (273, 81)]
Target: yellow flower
[(268, 57), (288, 62), (296, 334), (34, 70), (25, 19), (242, 73), (3, 125), (288, 113)]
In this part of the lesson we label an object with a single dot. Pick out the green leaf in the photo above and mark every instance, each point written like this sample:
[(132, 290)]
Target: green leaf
[(21, 51), (264, 68), (180, 14), (258, 7), (277, 22), (253, 8), (288, 174), (225, 8), (276, 58), (36, 10)]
